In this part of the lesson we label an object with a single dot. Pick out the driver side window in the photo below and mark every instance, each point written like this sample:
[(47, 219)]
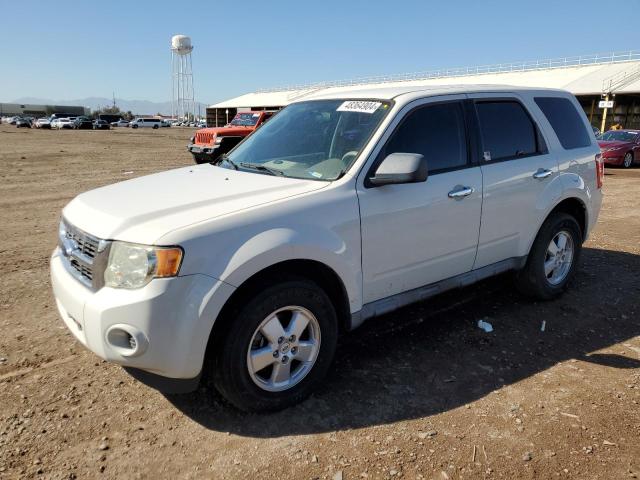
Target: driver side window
[(436, 131)]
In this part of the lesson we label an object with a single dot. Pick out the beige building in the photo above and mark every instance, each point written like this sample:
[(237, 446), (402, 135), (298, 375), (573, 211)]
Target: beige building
[(590, 77)]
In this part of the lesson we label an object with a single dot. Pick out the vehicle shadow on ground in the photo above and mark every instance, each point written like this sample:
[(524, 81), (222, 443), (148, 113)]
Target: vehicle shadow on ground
[(431, 357)]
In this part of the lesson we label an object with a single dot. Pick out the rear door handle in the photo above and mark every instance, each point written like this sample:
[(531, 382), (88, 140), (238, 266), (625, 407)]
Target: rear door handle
[(460, 192), (542, 173)]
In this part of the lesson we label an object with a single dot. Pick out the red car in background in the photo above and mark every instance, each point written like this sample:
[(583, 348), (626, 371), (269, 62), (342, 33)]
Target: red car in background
[(209, 143), (620, 147)]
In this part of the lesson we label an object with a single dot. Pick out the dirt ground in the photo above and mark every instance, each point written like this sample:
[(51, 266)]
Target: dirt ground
[(419, 393)]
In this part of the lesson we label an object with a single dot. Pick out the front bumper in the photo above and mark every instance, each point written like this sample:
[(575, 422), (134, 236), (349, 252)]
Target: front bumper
[(613, 159), (171, 319), (204, 153)]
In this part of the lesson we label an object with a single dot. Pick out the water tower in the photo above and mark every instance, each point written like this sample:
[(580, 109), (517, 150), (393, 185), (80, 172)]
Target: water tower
[(182, 99)]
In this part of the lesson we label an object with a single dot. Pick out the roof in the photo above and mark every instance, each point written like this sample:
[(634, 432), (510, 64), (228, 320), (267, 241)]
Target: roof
[(577, 78)]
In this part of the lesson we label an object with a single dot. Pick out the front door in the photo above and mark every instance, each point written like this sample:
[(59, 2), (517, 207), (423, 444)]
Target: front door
[(419, 233)]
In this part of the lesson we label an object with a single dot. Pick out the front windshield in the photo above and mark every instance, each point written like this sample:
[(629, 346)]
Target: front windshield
[(245, 119), (618, 135), (317, 140)]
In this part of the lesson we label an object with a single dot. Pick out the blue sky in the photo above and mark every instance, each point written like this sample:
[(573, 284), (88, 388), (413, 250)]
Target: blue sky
[(76, 49)]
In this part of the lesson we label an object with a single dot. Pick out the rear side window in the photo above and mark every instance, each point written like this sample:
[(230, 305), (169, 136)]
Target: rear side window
[(565, 120), (435, 131), (507, 130)]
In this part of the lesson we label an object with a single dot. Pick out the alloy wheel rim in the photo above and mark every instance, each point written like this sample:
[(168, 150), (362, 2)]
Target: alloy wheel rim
[(627, 160), (284, 348), (558, 258)]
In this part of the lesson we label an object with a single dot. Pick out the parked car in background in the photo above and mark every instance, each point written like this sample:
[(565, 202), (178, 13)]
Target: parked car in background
[(43, 122), (101, 125), (165, 123), (146, 123), (120, 123), (596, 130), (63, 123), (83, 123), (343, 207), (23, 123), (620, 147), (209, 143), (12, 120)]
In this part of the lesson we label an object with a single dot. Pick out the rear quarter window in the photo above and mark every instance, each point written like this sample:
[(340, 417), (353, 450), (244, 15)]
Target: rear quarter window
[(565, 120)]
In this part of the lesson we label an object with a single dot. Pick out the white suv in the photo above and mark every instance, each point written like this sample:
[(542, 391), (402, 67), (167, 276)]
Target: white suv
[(345, 206)]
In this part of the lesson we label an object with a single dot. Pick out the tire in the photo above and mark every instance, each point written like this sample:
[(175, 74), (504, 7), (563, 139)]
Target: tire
[(155, 127), (247, 387), (533, 280), (628, 160), (134, 126)]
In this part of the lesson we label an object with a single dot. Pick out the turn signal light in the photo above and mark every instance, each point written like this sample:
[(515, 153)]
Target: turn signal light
[(168, 262)]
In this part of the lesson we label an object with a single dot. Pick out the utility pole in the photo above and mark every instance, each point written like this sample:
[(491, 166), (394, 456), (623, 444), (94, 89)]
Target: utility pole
[(604, 113)]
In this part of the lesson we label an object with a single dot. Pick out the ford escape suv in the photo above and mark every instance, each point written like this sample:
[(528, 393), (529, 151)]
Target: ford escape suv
[(346, 205)]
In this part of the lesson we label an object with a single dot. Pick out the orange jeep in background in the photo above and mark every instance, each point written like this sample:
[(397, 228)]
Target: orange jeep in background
[(209, 143)]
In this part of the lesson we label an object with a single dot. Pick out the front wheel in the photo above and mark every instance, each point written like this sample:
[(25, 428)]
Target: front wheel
[(628, 160), (279, 346), (553, 258)]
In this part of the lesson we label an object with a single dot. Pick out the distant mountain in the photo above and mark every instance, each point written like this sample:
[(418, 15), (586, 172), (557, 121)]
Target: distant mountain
[(137, 107)]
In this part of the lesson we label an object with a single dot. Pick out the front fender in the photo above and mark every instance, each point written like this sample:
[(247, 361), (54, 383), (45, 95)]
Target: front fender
[(309, 243)]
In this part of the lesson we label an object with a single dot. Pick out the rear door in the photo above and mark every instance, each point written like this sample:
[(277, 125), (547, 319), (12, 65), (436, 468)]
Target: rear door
[(419, 233), (518, 171)]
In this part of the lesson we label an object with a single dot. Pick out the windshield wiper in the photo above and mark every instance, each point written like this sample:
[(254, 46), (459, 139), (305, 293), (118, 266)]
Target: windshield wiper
[(225, 158), (262, 168)]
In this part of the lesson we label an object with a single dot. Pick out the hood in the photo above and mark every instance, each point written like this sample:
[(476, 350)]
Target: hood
[(143, 209), (613, 144)]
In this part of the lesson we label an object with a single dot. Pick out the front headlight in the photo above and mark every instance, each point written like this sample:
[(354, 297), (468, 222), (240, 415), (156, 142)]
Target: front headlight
[(218, 140), (133, 266)]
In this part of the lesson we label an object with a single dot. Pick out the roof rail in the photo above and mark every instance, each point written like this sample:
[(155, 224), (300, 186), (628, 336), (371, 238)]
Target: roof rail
[(524, 66)]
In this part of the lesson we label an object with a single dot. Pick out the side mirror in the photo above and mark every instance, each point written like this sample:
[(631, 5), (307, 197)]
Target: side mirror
[(401, 168)]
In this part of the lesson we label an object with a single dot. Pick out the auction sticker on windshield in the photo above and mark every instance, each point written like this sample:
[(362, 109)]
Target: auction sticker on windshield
[(359, 106)]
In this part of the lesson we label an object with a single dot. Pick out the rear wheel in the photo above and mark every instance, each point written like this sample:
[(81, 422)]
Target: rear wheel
[(553, 258), (628, 160), (279, 346)]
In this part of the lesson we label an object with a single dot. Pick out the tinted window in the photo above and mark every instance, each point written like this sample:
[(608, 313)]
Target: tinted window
[(565, 120), (506, 129), (435, 131)]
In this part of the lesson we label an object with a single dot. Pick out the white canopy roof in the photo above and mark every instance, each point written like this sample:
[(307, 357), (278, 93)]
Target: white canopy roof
[(577, 79)]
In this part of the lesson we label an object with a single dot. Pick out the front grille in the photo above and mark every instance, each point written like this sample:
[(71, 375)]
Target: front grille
[(84, 270), (204, 137), (84, 255), (86, 244)]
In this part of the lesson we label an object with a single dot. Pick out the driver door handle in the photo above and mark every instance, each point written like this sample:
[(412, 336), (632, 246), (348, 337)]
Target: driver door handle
[(461, 192), (542, 173)]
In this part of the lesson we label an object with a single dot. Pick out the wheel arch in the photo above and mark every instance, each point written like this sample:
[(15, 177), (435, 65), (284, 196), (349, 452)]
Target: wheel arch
[(577, 209)]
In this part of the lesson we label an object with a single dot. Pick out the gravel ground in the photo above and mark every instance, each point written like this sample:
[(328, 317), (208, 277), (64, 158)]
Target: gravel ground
[(419, 393)]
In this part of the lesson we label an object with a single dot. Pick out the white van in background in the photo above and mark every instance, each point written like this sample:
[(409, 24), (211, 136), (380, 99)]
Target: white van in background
[(146, 122)]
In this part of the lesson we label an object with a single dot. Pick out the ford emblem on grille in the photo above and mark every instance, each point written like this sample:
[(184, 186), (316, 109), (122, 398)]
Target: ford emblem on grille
[(69, 245)]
